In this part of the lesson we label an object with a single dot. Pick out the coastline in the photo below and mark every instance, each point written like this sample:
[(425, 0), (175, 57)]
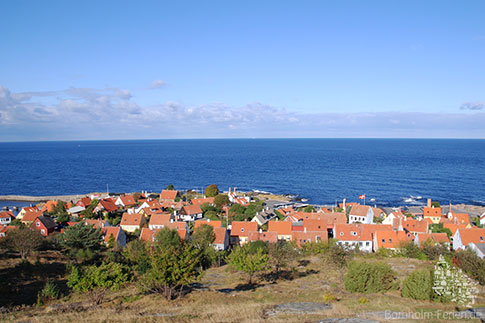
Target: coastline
[(27, 198)]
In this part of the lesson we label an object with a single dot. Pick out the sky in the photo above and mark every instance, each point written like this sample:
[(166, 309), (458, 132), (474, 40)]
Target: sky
[(94, 70)]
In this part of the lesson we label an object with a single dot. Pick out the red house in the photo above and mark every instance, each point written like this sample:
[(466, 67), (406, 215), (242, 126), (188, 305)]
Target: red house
[(44, 225)]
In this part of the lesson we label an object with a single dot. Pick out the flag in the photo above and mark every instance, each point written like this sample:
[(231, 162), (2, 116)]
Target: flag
[(362, 197)]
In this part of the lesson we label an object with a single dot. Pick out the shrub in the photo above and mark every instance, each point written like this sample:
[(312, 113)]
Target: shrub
[(171, 270), (329, 298), (411, 250), (418, 285), (471, 264), (242, 259), (48, 293), (363, 300), (363, 277), (108, 275)]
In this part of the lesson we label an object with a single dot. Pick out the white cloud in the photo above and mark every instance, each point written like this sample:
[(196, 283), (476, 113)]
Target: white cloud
[(86, 113), (156, 84), (473, 106)]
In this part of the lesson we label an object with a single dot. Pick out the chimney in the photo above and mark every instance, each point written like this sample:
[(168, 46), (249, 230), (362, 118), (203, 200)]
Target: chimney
[(429, 203), (343, 204), (304, 229), (260, 230)]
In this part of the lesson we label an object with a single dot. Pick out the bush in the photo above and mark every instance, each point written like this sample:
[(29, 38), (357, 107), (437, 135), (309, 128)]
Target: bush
[(107, 275), (242, 259), (48, 293), (363, 277), (411, 250), (434, 250), (471, 264), (418, 285), (363, 300), (329, 298), (171, 270)]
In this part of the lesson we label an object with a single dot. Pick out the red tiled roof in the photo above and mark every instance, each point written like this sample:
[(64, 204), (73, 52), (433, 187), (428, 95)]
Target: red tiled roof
[(475, 235), (111, 231), (128, 200), (454, 227), (191, 209), (432, 211), (85, 201), (242, 228), (201, 201), (413, 225), (168, 195), (108, 204), (160, 218), (269, 236), (6, 215), (392, 239), (220, 235), (359, 210), (131, 219), (97, 223), (283, 228), (214, 224), (49, 206), (30, 216), (309, 236)]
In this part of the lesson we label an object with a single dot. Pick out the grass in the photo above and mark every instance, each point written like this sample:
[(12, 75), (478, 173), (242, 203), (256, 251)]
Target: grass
[(219, 298)]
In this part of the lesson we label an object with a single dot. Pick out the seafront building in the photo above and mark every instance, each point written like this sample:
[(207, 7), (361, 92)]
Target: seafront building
[(352, 225)]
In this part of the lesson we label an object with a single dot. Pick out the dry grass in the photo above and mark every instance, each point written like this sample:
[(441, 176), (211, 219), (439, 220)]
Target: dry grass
[(212, 304)]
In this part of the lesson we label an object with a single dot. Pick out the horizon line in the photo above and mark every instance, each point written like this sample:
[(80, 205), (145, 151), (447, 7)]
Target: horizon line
[(243, 138)]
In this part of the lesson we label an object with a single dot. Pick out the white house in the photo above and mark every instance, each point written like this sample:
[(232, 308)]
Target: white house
[(6, 217), (361, 214), (482, 219), (463, 237)]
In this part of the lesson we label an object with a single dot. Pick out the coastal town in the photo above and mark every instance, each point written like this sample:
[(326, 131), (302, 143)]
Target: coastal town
[(185, 254), (354, 225)]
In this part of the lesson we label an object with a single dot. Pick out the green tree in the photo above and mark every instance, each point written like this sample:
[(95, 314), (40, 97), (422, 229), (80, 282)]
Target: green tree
[(171, 270), (309, 208), (170, 187), (363, 277), (80, 241), (220, 200), (167, 239), (202, 239), (137, 256), (24, 241), (339, 256), (211, 215), (211, 190), (418, 285), (250, 263), (438, 228), (280, 254), (97, 279)]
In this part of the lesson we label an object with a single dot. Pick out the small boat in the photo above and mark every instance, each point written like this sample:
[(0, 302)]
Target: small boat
[(372, 200), (409, 200)]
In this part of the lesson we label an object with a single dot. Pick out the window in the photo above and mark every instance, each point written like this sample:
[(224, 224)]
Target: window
[(367, 243), (390, 240), (242, 229), (353, 233), (383, 240), (38, 224), (42, 231), (341, 234)]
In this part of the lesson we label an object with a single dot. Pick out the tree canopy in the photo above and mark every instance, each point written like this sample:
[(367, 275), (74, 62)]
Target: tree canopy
[(211, 190)]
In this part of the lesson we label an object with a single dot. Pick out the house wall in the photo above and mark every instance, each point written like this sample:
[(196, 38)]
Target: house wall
[(363, 245)]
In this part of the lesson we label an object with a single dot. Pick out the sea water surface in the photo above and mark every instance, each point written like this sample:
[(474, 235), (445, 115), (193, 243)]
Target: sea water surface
[(322, 170)]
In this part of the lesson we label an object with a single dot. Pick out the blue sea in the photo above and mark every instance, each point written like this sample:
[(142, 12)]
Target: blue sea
[(321, 170)]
